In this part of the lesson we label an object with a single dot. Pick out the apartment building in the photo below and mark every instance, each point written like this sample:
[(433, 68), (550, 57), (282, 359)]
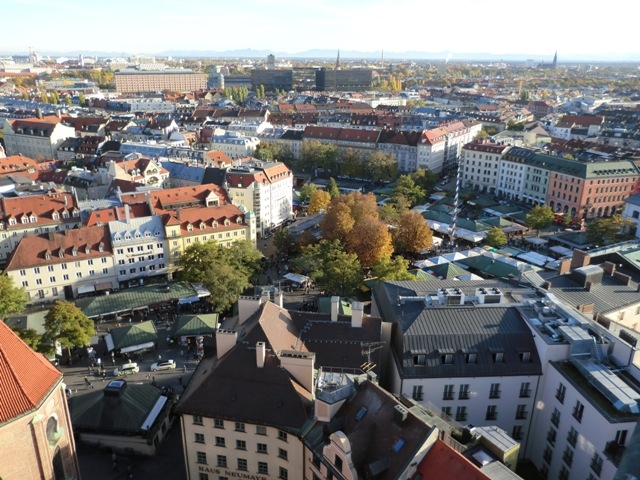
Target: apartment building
[(402, 144), (487, 375), (264, 188), (197, 214), (62, 265), (141, 170), (180, 80), (38, 138), (35, 425), (481, 165), (234, 145), (270, 354), (35, 214), (139, 246)]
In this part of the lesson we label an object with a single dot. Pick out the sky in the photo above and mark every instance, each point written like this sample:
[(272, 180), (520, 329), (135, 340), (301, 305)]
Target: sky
[(575, 28)]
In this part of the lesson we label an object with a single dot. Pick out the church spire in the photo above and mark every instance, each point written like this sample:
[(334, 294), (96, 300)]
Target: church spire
[(555, 60), (338, 61)]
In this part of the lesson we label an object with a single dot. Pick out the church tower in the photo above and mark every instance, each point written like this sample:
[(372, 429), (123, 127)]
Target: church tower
[(338, 61), (555, 60)]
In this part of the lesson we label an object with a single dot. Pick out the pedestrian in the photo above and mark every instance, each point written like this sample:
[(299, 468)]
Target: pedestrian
[(104, 374), (184, 368), (159, 357)]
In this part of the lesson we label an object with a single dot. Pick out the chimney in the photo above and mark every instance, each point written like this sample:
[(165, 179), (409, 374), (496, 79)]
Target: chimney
[(278, 298), (300, 366), (356, 314), (609, 267), (127, 213), (579, 259), (261, 351), (225, 341), (66, 200), (565, 266), (335, 306), (588, 286)]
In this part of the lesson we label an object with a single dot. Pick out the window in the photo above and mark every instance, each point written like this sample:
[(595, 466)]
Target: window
[(525, 390), (578, 410), (448, 392), (25, 283), (282, 435), (220, 442), (555, 417), (203, 476), (222, 461), (564, 473), (470, 357), (36, 270), (596, 464), (419, 359), (547, 454), (197, 420), (338, 463), (239, 427), (217, 423), (241, 445), (517, 432), (65, 277), (521, 412), (417, 393), (283, 473), (572, 437), (461, 414), (621, 437), (201, 458), (492, 412), (50, 268), (23, 273), (261, 430), (199, 438), (262, 448), (567, 456), (551, 435), (447, 358), (64, 265), (78, 274), (105, 271), (446, 411), (242, 464), (263, 467), (560, 392), (494, 392), (283, 454), (463, 393), (498, 357)]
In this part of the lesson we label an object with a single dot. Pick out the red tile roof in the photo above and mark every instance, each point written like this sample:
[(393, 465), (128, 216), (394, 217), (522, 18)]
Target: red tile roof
[(443, 463), (197, 216), (59, 247), (27, 378), (164, 199), (218, 157), (40, 206), (101, 217)]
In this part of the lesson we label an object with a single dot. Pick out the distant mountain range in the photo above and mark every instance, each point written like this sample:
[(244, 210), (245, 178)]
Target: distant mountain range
[(360, 55)]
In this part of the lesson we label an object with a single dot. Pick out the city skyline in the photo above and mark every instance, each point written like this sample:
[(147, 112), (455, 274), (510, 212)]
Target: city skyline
[(285, 27)]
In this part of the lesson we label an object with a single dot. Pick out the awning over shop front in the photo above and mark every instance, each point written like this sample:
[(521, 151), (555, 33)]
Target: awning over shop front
[(104, 286), (86, 289), (135, 348)]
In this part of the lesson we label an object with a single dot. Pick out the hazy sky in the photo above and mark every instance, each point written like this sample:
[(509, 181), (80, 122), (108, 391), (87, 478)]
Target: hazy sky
[(536, 28)]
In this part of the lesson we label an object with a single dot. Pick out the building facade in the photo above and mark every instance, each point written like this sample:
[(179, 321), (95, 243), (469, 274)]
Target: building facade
[(36, 138), (157, 81)]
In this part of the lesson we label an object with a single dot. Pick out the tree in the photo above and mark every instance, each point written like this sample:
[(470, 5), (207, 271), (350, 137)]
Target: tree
[(319, 200), (284, 242), (425, 179), (389, 269), (29, 336), (306, 191), (66, 324), (315, 154), (383, 166), (82, 100), (370, 240), (330, 267), (413, 234), (332, 188), (225, 271), (12, 298), (539, 218), (352, 164), (496, 237), (345, 212), (406, 187), (602, 231)]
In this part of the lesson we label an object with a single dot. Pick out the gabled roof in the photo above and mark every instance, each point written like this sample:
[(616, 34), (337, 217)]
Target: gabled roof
[(26, 377), (165, 199), (444, 463), (201, 324), (42, 207), (134, 334)]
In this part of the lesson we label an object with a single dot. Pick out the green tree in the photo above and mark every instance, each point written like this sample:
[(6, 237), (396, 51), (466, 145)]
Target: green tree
[(306, 191), (332, 188), (352, 164), (316, 154), (495, 237), (383, 166), (425, 179), (603, 231), (67, 100), (12, 298), (82, 100), (390, 269), (370, 241), (406, 187), (65, 323), (515, 126), (330, 267), (284, 242), (539, 218), (29, 336), (225, 271)]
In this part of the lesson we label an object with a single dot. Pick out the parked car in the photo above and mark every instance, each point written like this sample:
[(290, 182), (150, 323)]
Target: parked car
[(163, 365), (126, 369)]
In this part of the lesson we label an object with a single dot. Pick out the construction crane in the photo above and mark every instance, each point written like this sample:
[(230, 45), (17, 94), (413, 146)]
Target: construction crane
[(367, 349)]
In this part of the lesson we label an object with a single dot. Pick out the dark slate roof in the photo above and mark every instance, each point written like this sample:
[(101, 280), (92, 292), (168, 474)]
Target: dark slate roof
[(122, 413), (483, 330), (214, 175)]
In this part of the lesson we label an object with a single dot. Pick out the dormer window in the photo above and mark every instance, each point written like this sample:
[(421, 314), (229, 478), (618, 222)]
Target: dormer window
[(24, 219), (525, 357), (214, 224), (227, 222), (74, 252), (87, 250), (101, 247), (12, 221), (61, 253), (65, 214), (189, 227), (147, 234), (33, 219), (239, 220), (47, 255), (202, 225), (498, 357), (55, 216)]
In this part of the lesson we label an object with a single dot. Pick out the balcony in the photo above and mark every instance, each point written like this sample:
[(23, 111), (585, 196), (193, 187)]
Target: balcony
[(614, 452)]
